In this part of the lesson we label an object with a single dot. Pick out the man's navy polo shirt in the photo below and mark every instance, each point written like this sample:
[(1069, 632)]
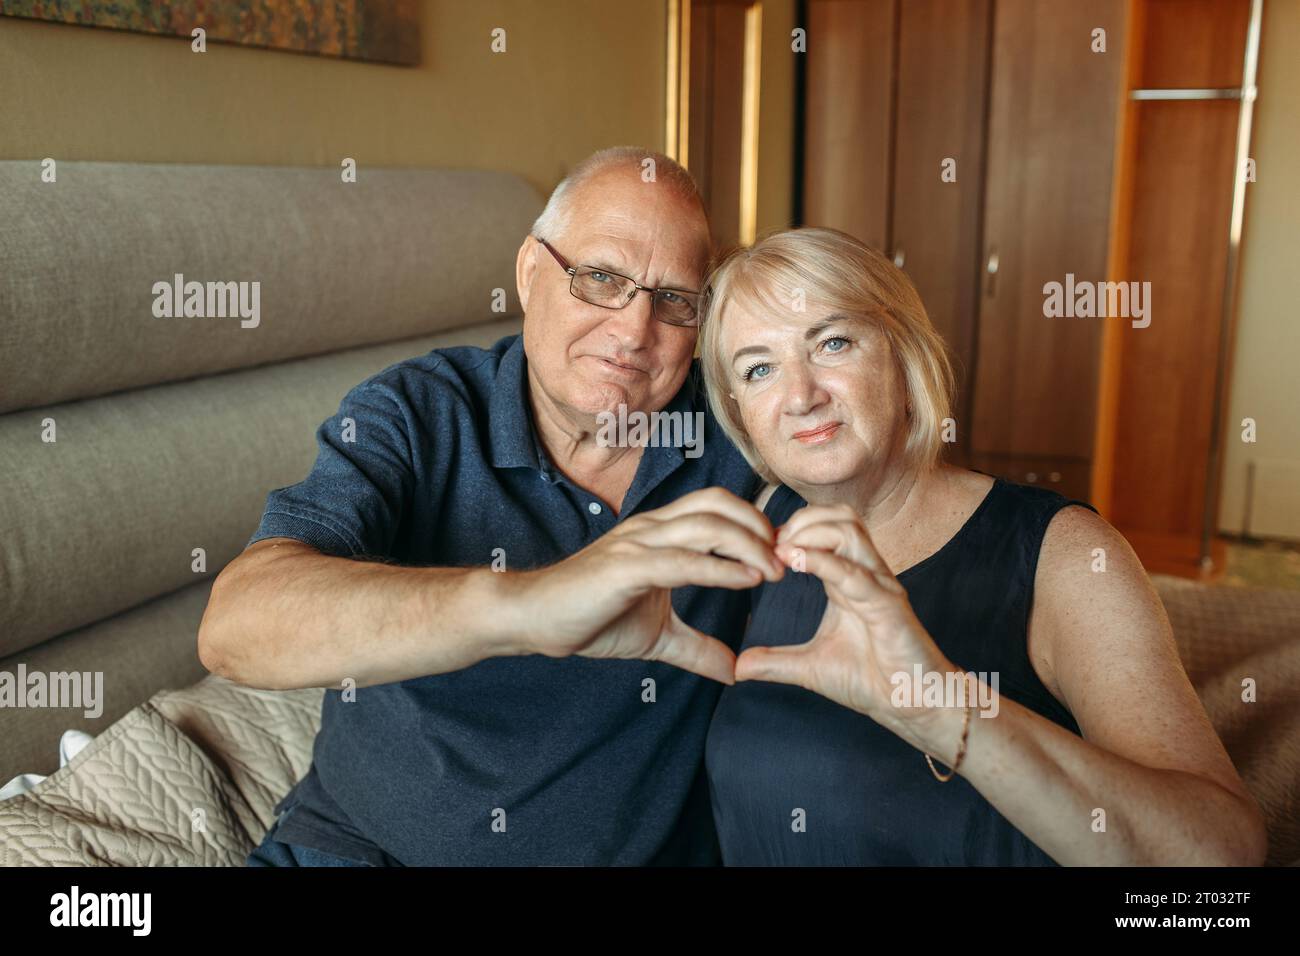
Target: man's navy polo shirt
[(525, 760)]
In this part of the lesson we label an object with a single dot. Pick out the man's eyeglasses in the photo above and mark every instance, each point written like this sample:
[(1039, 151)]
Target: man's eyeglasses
[(609, 290)]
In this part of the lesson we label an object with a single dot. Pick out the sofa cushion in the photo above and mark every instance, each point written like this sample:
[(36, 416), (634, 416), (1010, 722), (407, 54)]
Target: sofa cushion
[(1227, 635), (140, 652), (108, 516), (397, 254)]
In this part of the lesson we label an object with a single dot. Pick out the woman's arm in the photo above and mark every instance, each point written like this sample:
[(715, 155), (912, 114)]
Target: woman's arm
[(1149, 757)]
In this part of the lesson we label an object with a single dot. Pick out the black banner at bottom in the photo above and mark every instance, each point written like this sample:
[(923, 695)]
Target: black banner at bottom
[(341, 905)]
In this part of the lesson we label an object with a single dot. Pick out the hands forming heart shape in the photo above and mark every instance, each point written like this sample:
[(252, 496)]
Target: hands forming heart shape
[(613, 600), (868, 632)]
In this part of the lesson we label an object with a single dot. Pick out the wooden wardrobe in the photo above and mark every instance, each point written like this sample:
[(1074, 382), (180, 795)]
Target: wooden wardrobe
[(1060, 170)]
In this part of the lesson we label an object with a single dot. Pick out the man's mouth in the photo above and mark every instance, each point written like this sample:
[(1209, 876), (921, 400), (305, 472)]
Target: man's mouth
[(618, 367)]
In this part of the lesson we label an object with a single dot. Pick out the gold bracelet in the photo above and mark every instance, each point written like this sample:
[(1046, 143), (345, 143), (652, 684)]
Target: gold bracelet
[(961, 749)]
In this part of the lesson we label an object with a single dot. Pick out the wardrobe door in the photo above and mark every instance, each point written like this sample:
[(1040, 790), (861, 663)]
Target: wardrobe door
[(943, 60), (1053, 109), (848, 117)]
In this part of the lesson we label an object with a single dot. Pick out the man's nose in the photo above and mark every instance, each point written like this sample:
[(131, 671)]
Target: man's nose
[(633, 324)]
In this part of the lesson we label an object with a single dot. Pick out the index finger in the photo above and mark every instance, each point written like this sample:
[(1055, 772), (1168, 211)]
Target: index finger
[(811, 514), (841, 538), (719, 501)]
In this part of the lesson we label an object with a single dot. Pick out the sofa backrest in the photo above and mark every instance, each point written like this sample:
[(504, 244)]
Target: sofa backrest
[(168, 428)]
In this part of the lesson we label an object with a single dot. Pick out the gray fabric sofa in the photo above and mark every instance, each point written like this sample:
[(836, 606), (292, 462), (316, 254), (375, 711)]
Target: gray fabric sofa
[(169, 432)]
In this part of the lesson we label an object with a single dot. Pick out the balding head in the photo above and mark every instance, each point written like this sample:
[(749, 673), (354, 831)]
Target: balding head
[(626, 163)]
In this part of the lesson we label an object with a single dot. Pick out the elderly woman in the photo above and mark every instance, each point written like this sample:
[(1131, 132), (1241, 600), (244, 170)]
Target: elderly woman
[(943, 616)]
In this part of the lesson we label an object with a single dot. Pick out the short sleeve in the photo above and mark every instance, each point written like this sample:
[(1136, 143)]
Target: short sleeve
[(358, 491)]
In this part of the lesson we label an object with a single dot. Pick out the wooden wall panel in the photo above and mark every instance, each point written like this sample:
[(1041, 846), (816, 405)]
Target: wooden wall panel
[(717, 70), (1052, 130), (943, 61), (848, 117)]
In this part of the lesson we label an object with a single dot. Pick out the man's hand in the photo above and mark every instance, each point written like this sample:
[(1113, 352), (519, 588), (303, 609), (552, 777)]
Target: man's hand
[(612, 598)]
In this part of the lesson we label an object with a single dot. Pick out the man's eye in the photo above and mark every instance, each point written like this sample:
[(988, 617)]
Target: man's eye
[(672, 298), (600, 276), (752, 371)]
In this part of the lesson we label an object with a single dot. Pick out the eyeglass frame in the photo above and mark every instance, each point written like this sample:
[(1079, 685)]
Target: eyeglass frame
[(636, 287)]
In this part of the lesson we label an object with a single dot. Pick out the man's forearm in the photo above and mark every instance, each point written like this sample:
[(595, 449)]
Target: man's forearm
[(287, 616)]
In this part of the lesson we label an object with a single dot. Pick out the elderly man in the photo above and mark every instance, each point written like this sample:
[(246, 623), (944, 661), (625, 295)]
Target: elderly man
[(522, 666)]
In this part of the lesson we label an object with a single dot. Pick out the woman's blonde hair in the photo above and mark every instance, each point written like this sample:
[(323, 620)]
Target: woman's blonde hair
[(788, 271)]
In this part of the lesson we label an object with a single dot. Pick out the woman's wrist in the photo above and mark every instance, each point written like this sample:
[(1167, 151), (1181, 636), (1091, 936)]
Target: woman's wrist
[(938, 720)]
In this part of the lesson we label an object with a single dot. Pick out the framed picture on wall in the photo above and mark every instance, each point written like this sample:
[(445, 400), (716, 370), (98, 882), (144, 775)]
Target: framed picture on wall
[(386, 31)]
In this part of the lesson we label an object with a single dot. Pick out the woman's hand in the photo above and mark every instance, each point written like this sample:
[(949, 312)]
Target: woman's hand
[(868, 634)]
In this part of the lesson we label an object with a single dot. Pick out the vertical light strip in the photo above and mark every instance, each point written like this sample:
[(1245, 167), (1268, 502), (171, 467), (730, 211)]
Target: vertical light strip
[(678, 86), (749, 124), (673, 77), (1210, 517), (1249, 91), (684, 85)]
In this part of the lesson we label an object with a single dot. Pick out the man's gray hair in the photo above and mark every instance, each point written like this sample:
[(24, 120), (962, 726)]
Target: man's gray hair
[(554, 220)]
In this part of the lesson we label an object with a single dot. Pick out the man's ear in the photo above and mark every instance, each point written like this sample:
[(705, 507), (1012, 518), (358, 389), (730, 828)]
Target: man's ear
[(525, 266)]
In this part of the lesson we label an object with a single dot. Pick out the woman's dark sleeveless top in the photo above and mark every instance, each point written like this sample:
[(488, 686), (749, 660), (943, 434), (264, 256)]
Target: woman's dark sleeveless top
[(869, 798)]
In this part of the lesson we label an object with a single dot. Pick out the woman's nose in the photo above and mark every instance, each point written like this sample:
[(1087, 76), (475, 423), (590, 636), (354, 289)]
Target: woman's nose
[(803, 392)]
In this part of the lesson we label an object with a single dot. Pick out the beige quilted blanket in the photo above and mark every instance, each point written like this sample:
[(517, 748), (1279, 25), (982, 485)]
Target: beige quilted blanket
[(188, 778)]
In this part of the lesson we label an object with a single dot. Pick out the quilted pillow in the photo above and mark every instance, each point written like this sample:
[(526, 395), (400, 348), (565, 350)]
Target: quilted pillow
[(188, 778)]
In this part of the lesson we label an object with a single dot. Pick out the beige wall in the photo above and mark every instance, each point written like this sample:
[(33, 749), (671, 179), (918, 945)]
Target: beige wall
[(574, 78), (1265, 382)]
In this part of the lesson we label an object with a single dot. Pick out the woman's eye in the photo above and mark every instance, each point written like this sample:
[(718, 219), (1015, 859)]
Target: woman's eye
[(826, 343), (750, 372)]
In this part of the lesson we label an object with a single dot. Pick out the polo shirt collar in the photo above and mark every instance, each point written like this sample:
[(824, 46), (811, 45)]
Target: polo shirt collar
[(510, 423)]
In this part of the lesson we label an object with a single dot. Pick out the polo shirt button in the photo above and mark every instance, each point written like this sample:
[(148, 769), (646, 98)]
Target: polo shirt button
[(594, 508)]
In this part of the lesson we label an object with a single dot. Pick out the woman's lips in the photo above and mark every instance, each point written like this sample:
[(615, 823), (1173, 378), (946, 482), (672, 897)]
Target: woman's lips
[(817, 435)]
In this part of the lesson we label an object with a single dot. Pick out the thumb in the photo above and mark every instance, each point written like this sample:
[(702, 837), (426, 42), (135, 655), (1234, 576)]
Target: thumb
[(683, 646), (786, 664)]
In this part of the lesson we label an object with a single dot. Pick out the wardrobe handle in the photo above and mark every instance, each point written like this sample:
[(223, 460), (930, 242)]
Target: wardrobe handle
[(899, 257), (991, 267)]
